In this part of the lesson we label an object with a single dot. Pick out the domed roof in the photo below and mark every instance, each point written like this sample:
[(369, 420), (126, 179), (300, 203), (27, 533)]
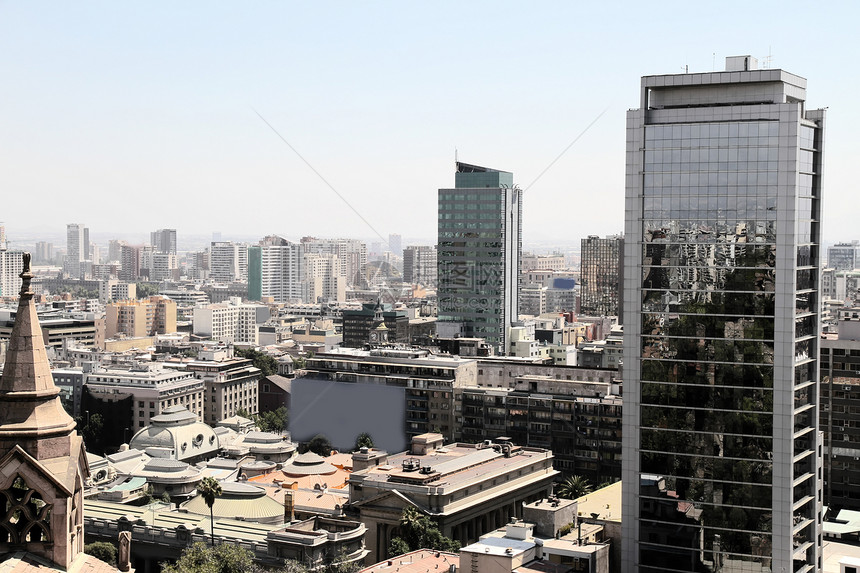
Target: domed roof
[(176, 434), (243, 500), (308, 464)]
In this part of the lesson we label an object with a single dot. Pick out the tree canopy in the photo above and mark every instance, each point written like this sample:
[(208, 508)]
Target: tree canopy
[(267, 364), (418, 531), (320, 445), (224, 558), (363, 440), (574, 487), (102, 550)]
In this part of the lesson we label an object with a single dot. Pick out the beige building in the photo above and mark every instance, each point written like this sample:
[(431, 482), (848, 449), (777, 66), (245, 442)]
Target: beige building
[(151, 387), (231, 384), (137, 318), (233, 321), (325, 278), (469, 489), (532, 262)]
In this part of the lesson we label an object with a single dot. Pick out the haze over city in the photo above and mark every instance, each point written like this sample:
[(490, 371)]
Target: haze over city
[(130, 117)]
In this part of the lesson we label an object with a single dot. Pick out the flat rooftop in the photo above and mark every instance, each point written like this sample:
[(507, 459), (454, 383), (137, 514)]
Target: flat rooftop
[(453, 465), (606, 502)]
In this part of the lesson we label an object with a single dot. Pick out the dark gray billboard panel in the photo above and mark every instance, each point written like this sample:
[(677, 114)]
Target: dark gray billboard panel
[(342, 410)]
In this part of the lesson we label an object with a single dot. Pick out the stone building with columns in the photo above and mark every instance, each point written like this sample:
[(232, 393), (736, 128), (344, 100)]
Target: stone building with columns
[(468, 489)]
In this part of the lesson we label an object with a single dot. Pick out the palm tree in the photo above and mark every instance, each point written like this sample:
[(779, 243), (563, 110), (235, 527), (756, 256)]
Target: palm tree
[(209, 488), (574, 487)]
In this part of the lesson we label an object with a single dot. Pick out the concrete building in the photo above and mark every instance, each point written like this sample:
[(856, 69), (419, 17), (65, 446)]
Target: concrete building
[(162, 534), (128, 398), (533, 300), (164, 267), (276, 269), (231, 384), (176, 434), (11, 266), (840, 413), (59, 326), (357, 324), (580, 421), (138, 318), (130, 262), (844, 256), (419, 265), (77, 249), (722, 466), (431, 383), (602, 276), (234, 321), (468, 489), (44, 252), (325, 278), (228, 262), (113, 289), (164, 241), (533, 262), (350, 252), (480, 242)]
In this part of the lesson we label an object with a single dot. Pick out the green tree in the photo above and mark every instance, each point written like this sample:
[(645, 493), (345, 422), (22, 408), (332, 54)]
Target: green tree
[(342, 564), (145, 290), (397, 547), (209, 488), (267, 364), (363, 440), (91, 430), (273, 421), (224, 558), (574, 487), (102, 550), (418, 531), (320, 445)]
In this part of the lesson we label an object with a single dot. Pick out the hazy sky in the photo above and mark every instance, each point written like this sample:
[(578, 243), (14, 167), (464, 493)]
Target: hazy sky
[(132, 116)]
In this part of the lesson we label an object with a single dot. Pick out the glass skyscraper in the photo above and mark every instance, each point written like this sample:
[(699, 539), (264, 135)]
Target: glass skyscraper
[(722, 467), (601, 276), (478, 255)]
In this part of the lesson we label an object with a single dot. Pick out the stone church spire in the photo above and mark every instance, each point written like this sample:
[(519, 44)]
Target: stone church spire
[(32, 413), (43, 464)]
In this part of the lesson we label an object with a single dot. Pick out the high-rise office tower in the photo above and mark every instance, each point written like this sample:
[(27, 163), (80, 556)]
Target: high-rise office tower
[(275, 269), (228, 261), (77, 248), (130, 262), (480, 242), (723, 198), (164, 241), (602, 276), (11, 265), (351, 253), (419, 265), (44, 252)]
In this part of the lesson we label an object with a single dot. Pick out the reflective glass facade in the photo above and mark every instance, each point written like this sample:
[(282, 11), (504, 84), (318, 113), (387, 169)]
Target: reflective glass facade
[(478, 253), (721, 452)]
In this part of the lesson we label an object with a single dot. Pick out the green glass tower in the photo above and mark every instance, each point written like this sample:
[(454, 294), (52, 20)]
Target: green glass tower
[(480, 242)]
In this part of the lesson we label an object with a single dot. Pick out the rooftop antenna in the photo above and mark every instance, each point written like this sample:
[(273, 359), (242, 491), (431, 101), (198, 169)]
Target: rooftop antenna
[(714, 62), (456, 160), (767, 60)]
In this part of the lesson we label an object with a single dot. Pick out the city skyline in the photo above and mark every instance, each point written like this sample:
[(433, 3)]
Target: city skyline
[(157, 108)]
